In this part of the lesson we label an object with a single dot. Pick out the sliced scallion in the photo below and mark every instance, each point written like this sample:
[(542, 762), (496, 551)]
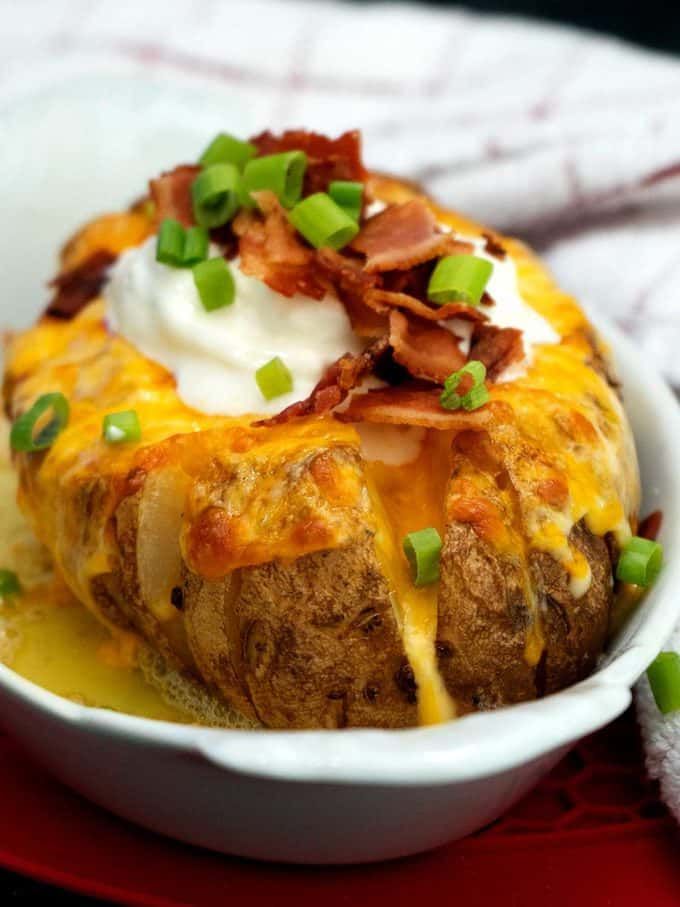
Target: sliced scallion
[(348, 195), (422, 548), (226, 149), (459, 278), (640, 562), (215, 194), (196, 242), (274, 379), (664, 679), (9, 583), (30, 432), (281, 173), (121, 427), (170, 243), (322, 222), (215, 283), (476, 396)]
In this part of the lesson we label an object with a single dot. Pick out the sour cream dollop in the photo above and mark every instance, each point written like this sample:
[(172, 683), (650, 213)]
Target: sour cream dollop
[(214, 355), (510, 310)]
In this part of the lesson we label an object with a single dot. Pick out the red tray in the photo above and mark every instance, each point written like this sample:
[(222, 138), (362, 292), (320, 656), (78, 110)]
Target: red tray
[(593, 833)]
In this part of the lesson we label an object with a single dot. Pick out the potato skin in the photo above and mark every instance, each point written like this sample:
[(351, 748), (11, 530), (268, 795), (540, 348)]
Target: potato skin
[(298, 642), (484, 620), (312, 643)]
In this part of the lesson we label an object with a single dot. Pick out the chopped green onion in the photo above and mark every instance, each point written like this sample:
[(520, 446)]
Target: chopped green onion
[(281, 173), (23, 436), (664, 679), (196, 242), (459, 278), (215, 194), (170, 243), (215, 283), (123, 426), (274, 379), (422, 548), (9, 583), (225, 149), (640, 562), (475, 397), (179, 247), (322, 222), (348, 195)]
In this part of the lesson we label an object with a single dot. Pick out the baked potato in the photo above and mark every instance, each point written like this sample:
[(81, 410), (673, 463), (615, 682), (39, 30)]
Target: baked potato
[(261, 552)]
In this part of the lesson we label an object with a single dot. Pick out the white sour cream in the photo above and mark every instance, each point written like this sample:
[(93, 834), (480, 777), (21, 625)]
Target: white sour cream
[(214, 355), (509, 311)]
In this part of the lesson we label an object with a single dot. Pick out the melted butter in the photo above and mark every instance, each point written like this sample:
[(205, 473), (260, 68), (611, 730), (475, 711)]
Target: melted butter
[(48, 637), (63, 648), (406, 498)]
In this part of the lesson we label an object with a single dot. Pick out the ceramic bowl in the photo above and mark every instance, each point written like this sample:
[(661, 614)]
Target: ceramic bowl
[(358, 795), (307, 796)]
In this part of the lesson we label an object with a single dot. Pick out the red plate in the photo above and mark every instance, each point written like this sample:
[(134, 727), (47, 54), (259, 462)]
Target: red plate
[(593, 833)]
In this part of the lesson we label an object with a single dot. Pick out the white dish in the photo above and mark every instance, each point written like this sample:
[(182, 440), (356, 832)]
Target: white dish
[(307, 797), (358, 795)]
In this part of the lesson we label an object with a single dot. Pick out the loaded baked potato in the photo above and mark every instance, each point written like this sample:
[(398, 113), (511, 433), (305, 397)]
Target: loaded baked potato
[(337, 478)]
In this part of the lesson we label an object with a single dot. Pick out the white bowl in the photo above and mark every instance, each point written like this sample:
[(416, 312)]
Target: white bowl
[(304, 797), (358, 795)]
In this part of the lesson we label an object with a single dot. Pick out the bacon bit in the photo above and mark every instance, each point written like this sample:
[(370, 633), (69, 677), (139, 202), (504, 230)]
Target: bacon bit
[(402, 236), (327, 159), (271, 250), (412, 282), (339, 379), (80, 285), (493, 246), (496, 347), (650, 527), (171, 193), (351, 282), (383, 300), (427, 350), (413, 406)]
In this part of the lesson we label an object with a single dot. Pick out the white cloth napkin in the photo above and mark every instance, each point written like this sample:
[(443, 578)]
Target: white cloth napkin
[(570, 139)]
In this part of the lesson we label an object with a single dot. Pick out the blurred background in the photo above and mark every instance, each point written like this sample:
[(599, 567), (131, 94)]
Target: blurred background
[(656, 24)]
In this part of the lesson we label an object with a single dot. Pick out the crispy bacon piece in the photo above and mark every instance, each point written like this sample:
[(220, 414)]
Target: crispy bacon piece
[(327, 159), (496, 347), (171, 193), (426, 349), (405, 405), (271, 250), (650, 527), (351, 282), (384, 300), (493, 246), (402, 236), (75, 288), (339, 379), (412, 282)]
